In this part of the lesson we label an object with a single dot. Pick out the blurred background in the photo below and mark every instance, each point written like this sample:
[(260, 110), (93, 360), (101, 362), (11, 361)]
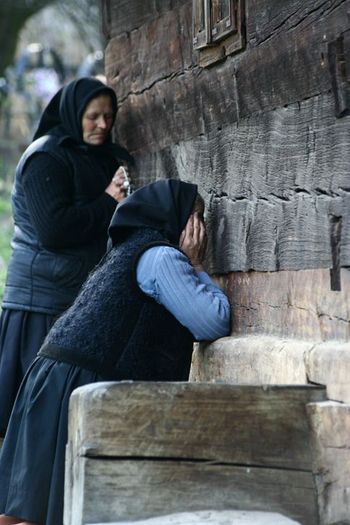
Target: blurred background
[(44, 44)]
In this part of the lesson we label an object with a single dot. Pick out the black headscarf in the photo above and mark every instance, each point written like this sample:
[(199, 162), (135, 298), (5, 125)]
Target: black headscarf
[(63, 115), (164, 205)]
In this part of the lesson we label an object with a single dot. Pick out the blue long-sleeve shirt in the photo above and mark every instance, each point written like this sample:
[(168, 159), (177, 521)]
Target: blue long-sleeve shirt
[(166, 274)]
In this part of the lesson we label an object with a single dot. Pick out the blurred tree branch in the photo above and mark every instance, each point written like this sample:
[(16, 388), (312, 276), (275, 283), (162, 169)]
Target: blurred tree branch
[(85, 14), (13, 15)]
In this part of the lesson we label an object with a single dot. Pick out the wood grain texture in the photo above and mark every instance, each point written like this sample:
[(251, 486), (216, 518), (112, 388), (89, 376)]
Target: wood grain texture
[(261, 359), (289, 304), (134, 446), (126, 490), (271, 184), (330, 424), (212, 517), (257, 132), (289, 65), (251, 360), (260, 426), (129, 15), (329, 364), (149, 60), (277, 17)]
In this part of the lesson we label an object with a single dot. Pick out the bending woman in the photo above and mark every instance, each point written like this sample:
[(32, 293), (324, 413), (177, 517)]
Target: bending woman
[(63, 200), (135, 318)]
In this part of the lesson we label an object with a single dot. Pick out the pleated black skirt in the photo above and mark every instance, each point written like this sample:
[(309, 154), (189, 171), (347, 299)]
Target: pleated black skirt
[(33, 454), (21, 336)]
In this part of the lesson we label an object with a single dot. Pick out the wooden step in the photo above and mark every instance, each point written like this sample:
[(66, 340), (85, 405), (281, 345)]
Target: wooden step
[(209, 517), (139, 450)]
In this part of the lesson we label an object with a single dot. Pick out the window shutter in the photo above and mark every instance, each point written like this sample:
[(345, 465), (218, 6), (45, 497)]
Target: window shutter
[(218, 29), (223, 18), (201, 27)]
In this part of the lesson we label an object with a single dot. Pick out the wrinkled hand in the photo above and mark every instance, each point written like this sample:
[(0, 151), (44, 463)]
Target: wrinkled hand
[(193, 241), (117, 188)]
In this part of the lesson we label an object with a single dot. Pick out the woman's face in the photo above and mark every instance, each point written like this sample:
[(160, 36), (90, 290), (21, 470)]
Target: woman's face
[(97, 120)]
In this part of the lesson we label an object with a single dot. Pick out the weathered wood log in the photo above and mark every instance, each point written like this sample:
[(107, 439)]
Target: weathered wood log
[(263, 360), (194, 421), (134, 446), (258, 132), (330, 424), (147, 63), (286, 66), (329, 364), (290, 304), (272, 185), (289, 327), (129, 15), (210, 517), (254, 360), (139, 489)]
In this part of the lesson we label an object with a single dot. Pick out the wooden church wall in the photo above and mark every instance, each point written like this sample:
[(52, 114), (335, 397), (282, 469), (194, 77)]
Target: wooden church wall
[(264, 133)]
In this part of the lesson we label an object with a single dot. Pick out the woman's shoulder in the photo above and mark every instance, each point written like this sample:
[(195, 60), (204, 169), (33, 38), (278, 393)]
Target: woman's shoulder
[(163, 251), (44, 146), (41, 144), (161, 257)]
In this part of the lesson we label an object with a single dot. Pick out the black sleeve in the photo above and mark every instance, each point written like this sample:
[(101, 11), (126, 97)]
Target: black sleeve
[(57, 219)]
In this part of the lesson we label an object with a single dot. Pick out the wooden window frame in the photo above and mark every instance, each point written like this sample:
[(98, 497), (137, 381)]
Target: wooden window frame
[(226, 26), (214, 41), (201, 35)]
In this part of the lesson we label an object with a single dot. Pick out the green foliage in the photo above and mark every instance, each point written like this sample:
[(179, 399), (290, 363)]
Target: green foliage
[(6, 229), (5, 206)]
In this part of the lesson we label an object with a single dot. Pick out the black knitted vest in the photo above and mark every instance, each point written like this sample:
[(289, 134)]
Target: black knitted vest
[(39, 279), (116, 330)]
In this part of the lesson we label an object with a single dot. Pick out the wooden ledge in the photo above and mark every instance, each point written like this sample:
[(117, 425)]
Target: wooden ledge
[(261, 359), (212, 517)]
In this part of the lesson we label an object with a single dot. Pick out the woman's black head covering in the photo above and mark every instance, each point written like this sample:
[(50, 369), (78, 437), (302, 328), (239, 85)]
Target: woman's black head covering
[(164, 205), (64, 112)]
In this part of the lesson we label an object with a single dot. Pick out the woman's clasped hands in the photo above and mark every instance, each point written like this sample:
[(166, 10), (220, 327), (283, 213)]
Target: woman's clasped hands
[(119, 185)]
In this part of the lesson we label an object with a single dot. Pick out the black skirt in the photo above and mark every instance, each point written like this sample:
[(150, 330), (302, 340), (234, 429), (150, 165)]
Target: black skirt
[(21, 335), (33, 454)]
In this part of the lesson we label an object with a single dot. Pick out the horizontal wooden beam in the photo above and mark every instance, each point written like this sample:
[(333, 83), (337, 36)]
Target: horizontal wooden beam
[(166, 97), (130, 490), (129, 15), (275, 186), (222, 423), (261, 359), (134, 445), (213, 517)]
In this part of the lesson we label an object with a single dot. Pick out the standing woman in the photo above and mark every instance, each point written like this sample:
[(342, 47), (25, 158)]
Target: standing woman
[(136, 318), (66, 189)]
